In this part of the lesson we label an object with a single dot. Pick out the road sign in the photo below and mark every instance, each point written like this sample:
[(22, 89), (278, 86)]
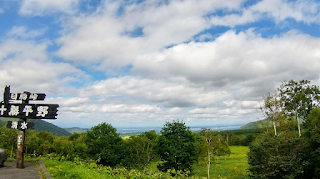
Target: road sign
[(31, 111), (22, 125), (27, 96)]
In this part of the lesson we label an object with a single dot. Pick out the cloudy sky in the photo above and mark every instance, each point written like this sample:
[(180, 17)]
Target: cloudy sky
[(141, 63)]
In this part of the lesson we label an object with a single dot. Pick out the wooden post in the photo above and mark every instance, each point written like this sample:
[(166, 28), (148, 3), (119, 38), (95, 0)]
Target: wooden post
[(21, 140)]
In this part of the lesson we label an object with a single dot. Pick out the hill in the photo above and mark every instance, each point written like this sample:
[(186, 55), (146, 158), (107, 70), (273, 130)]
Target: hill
[(41, 125), (76, 129), (253, 125)]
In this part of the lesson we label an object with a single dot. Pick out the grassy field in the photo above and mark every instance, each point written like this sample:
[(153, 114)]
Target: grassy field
[(233, 166)]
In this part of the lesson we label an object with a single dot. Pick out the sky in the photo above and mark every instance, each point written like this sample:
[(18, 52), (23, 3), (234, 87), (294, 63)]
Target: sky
[(137, 63)]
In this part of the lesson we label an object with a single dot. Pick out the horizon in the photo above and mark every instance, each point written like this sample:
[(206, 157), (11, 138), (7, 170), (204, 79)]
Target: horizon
[(142, 63)]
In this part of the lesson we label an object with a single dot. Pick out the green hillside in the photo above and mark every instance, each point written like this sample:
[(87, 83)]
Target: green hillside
[(257, 124), (76, 129), (41, 125)]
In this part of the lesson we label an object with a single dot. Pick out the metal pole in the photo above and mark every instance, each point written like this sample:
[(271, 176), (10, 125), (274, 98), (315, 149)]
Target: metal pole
[(21, 141)]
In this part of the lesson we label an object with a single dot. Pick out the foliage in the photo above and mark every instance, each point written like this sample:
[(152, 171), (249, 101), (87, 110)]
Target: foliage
[(89, 169), (273, 109), (311, 145), (176, 147), (300, 97), (212, 146), (275, 156), (141, 152), (105, 145)]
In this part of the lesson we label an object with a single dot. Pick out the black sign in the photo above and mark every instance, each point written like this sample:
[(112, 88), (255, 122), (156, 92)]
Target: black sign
[(27, 96), (20, 125), (30, 111)]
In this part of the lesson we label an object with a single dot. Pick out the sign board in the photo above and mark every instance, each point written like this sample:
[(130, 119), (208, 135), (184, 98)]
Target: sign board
[(31, 111), (27, 96), (22, 125)]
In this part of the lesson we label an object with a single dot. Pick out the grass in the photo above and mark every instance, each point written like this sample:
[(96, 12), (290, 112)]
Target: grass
[(233, 167)]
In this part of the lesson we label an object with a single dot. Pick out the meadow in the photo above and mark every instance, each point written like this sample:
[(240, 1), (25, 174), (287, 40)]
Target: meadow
[(233, 166)]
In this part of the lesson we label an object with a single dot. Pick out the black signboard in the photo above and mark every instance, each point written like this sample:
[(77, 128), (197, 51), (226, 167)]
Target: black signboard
[(22, 125), (27, 96), (30, 111)]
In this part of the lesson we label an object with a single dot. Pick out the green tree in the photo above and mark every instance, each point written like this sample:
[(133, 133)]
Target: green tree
[(213, 146), (176, 147), (275, 156), (273, 109), (299, 98), (105, 145), (311, 145), (141, 151)]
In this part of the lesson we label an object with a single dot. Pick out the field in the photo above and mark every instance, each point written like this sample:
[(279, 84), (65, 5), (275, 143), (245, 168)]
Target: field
[(233, 166)]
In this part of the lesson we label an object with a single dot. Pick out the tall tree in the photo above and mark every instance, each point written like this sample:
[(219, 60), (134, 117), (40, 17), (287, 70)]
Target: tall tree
[(176, 147), (273, 109), (299, 98), (105, 145), (213, 146)]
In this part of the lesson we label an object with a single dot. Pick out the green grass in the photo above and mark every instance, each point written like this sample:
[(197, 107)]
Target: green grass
[(233, 166)]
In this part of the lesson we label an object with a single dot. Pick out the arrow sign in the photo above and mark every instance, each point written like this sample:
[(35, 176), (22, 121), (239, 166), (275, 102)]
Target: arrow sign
[(30, 111), (20, 125)]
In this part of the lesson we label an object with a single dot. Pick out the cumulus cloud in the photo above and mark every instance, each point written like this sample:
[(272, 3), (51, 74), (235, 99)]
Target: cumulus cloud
[(107, 38), (169, 93), (29, 68), (235, 60)]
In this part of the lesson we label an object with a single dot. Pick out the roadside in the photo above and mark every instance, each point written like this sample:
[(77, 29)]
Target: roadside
[(30, 171)]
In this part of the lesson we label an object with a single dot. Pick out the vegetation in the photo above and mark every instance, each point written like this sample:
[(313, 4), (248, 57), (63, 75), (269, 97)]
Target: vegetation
[(176, 147), (284, 152), (279, 148)]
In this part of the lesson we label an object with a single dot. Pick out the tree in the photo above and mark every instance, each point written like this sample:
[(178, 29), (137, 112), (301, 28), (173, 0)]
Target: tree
[(213, 146), (176, 147), (299, 98), (141, 151), (273, 108), (311, 145), (105, 145), (228, 135), (275, 156)]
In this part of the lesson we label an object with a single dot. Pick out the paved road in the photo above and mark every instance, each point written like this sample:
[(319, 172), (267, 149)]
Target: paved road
[(9, 171)]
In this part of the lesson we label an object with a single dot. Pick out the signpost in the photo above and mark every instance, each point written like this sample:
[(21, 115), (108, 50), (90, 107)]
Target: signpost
[(24, 111)]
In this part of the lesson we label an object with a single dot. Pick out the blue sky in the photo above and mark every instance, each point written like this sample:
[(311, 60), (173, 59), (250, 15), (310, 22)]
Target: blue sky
[(142, 63)]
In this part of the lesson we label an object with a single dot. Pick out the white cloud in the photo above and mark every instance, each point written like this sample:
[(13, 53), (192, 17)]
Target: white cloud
[(43, 7), (28, 68), (105, 37), (169, 93), (306, 11), (24, 33), (246, 61), (1, 10)]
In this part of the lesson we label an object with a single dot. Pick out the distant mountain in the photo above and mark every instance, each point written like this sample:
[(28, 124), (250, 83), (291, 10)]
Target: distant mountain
[(252, 125), (40, 125), (76, 129)]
